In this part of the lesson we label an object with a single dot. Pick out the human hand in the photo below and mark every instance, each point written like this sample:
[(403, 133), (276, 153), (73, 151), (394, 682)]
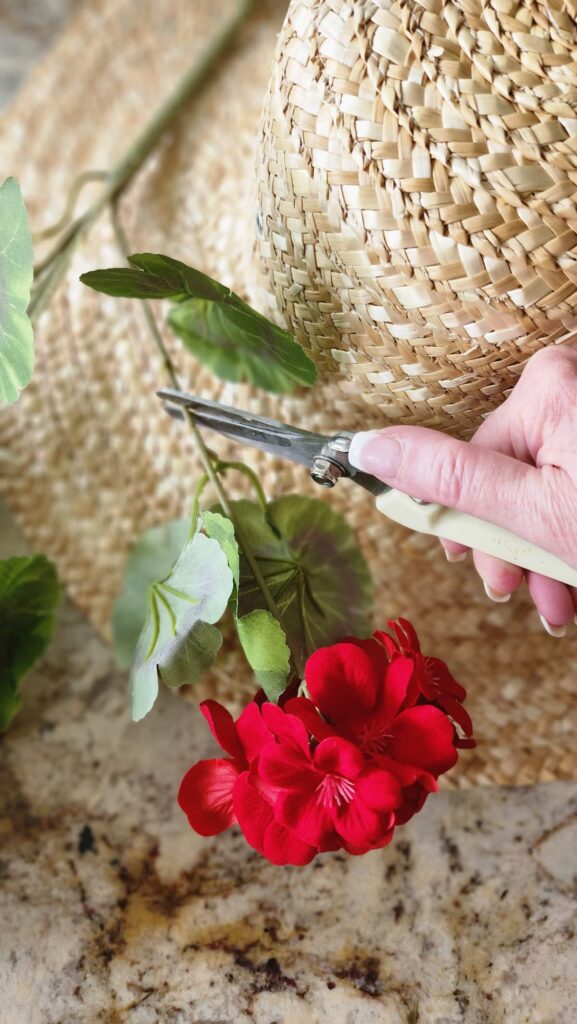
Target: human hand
[(519, 471)]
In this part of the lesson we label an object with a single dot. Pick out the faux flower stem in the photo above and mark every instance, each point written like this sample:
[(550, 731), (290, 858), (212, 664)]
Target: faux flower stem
[(203, 452), (116, 181)]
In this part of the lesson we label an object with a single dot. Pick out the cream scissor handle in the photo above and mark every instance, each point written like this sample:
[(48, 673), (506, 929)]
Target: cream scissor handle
[(475, 533)]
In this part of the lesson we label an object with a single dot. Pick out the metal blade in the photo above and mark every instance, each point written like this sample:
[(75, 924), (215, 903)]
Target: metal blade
[(300, 446)]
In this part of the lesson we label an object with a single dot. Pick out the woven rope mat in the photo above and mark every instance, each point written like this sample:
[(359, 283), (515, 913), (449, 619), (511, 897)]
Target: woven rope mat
[(93, 461)]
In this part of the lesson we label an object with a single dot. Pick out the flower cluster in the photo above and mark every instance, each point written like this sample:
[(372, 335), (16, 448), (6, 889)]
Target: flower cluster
[(340, 767)]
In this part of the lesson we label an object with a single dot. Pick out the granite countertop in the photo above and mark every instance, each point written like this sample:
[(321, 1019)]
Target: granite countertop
[(114, 911)]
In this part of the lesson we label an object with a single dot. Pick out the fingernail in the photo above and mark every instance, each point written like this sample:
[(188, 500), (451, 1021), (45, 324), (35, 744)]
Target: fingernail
[(376, 453), (558, 631), (455, 556), (494, 595)]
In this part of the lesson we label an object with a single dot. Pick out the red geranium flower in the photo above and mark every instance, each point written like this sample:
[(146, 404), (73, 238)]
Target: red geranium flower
[(217, 793), (370, 701), (339, 768), (333, 796)]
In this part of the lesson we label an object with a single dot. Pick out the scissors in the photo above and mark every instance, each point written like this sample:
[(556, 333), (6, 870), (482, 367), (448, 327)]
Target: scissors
[(327, 458)]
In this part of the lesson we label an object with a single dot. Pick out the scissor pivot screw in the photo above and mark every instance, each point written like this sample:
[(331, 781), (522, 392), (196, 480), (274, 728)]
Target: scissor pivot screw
[(325, 472)]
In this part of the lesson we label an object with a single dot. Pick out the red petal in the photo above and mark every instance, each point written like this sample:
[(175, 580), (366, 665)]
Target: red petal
[(222, 727), (390, 645), (465, 744), (361, 827), (341, 680), (413, 799), (284, 847), (441, 677), (457, 712), (254, 814), (359, 851), (286, 727), (252, 731), (284, 767), (205, 795), (395, 686), (407, 774), (304, 815), (378, 790), (423, 736), (305, 710), (335, 756), (406, 635), (375, 650)]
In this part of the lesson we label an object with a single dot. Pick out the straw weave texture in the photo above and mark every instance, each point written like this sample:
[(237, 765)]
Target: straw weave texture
[(88, 459), (418, 193)]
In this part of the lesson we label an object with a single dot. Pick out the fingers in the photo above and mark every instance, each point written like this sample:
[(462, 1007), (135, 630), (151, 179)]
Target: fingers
[(500, 578), (553, 601), (433, 467), (454, 552)]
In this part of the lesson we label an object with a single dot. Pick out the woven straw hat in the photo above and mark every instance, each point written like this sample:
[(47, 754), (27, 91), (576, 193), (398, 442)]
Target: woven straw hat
[(418, 190), (88, 459)]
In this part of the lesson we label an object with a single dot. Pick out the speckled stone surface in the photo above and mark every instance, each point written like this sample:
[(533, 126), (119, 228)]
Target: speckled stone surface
[(113, 911)]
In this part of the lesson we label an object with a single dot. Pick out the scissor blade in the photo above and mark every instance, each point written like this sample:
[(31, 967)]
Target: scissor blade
[(300, 446)]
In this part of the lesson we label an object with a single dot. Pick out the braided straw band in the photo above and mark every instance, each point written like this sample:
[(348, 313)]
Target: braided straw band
[(418, 190)]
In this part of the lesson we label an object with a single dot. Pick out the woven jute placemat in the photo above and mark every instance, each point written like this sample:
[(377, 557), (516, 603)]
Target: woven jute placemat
[(90, 461)]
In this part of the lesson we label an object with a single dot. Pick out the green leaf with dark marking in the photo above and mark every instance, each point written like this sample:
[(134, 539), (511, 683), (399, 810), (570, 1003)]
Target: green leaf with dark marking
[(314, 570), (153, 276), (217, 326)]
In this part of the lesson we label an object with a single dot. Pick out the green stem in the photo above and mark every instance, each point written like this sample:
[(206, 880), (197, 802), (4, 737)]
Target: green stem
[(240, 467), (58, 261), (203, 452)]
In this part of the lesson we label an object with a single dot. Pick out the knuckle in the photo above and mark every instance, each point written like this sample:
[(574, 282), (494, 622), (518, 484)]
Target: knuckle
[(552, 362), (451, 469), (555, 513)]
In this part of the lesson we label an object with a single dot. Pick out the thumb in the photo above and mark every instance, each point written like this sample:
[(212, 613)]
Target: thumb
[(434, 467)]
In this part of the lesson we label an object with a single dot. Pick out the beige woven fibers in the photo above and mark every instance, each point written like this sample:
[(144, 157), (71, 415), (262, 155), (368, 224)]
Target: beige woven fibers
[(419, 184), (89, 461)]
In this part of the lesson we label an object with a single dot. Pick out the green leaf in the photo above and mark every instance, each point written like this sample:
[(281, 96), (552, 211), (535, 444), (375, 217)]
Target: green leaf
[(189, 661), (221, 529), (260, 634), (315, 572), (152, 276), (265, 647), (16, 269), (239, 345), (222, 331), (173, 640), (151, 559), (29, 597)]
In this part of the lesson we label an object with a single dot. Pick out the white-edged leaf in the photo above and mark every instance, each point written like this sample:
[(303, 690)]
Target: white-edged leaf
[(221, 529), (151, 559), (196, 591), (16, 271)]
